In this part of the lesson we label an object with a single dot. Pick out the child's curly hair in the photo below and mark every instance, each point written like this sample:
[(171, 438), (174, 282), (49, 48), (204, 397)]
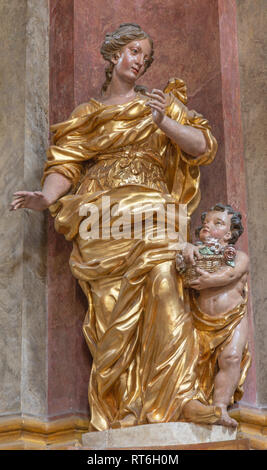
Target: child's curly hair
[(236, 225)]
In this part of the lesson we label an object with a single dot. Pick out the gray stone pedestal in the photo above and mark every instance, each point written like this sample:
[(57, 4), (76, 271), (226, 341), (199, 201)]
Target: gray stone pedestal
[(161, 434)]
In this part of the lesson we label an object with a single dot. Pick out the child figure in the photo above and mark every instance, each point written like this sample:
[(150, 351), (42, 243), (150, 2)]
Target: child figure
[(219, 310)]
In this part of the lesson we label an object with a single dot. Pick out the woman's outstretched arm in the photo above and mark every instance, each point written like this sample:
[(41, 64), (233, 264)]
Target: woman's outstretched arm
[(55, 186)]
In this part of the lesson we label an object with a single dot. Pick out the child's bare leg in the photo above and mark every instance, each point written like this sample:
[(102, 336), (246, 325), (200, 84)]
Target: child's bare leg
[(226, 381)]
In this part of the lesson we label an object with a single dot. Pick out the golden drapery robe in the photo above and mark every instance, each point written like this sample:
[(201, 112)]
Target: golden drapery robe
[(214, 333), (138, 326)]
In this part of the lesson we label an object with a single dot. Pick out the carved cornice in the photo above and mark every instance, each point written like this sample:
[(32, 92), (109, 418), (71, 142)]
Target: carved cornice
[(25, 432), (252, 425)]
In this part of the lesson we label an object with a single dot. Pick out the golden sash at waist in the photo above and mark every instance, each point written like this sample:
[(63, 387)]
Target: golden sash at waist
[(124, 166), (130, 153)]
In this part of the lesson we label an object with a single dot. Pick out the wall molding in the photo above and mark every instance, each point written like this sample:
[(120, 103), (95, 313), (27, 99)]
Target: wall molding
[(252, 426), (27, 432)]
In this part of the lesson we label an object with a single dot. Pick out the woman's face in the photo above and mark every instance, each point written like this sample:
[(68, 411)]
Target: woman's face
[(130, 63)]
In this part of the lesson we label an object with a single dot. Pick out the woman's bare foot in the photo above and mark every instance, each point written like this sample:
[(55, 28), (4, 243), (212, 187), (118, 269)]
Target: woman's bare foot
[(194, 411)]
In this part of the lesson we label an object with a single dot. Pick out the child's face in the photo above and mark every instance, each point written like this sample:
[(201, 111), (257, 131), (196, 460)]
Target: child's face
[(216, 225)]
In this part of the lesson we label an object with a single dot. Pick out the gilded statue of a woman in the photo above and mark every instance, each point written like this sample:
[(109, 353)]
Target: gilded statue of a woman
[(134, 148)]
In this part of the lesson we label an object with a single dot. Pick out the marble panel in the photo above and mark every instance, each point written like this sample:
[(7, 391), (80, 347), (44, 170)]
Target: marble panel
[(34, 308), (23, 133), (252, 47), (234, 149), (12, 69)]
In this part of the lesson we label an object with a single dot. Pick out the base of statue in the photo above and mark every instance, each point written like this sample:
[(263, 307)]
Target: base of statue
[(161, 435)]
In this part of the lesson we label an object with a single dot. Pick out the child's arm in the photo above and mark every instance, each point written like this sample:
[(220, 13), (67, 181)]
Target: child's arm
[(190, 253), (223, 276)]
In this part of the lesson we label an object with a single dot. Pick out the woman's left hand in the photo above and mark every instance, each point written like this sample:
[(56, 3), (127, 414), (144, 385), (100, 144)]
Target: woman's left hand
[(157, 104)]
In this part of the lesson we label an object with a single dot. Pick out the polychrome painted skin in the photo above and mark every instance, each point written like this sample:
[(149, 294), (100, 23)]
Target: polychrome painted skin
[(219, 309)]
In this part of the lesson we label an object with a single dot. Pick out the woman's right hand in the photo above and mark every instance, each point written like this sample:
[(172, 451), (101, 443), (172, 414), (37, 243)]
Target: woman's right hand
[(34, 200)]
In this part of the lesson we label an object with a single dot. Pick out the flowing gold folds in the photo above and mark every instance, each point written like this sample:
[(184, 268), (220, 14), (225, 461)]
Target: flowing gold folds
[(177, 87), (109, 128), (81, 138), (138, 325), (182, 170)]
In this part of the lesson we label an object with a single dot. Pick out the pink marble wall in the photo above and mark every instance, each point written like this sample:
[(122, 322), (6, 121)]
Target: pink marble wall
[(68, 359), (234, 150), (193, 40)]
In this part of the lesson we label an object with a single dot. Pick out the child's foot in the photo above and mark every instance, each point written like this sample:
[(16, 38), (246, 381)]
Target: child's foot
[(226, 420)]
